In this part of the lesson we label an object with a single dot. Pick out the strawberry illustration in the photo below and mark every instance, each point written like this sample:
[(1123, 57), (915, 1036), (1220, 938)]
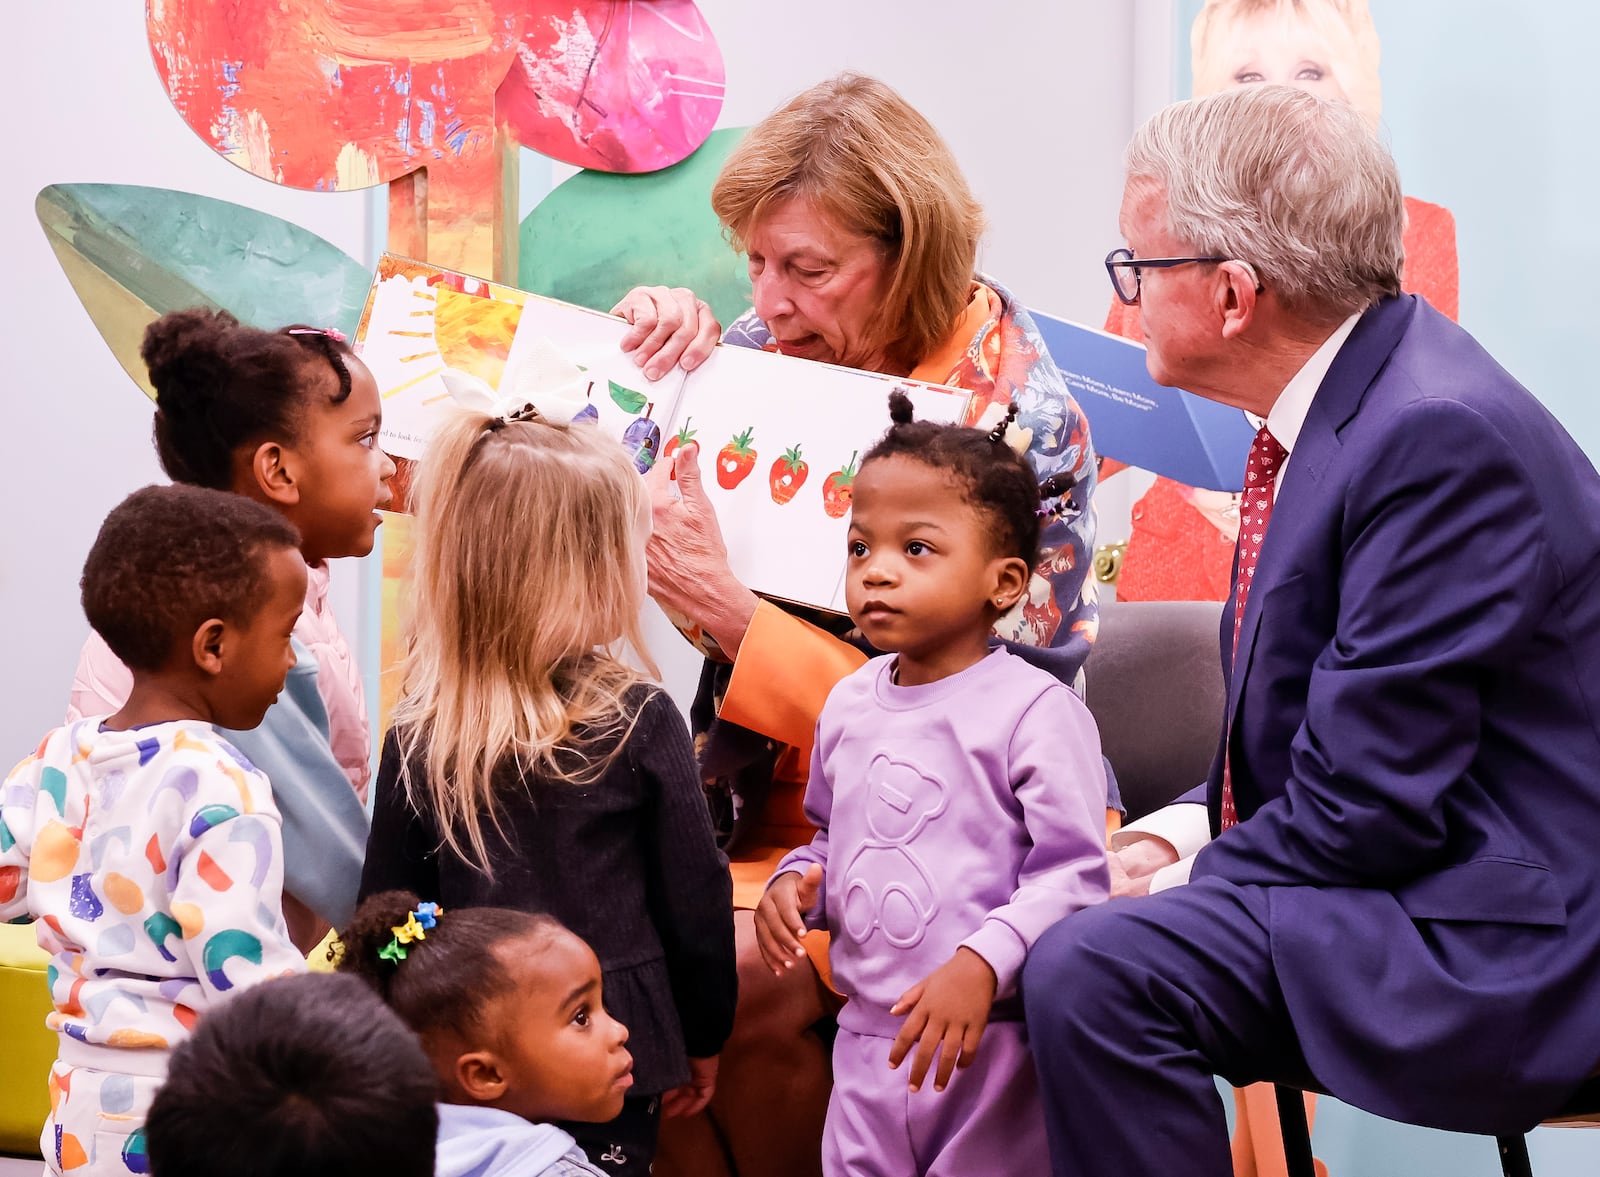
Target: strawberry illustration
[(788, 475), (677, 441), (838, 490), (735, 460), (681, 438)]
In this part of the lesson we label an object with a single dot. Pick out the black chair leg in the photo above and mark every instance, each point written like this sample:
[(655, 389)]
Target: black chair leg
[(1514, 1156), (1296, 1135)]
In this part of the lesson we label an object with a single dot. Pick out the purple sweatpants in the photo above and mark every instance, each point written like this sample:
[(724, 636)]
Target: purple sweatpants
[(987, 1122)]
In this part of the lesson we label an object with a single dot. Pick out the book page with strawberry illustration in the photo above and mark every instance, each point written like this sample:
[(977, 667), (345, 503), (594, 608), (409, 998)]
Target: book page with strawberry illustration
[(780, 442), (780, 439)]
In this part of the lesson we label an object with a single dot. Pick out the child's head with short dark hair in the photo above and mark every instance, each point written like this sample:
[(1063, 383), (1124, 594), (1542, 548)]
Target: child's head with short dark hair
[(202, 586), (507, 1003), (167, 558), (307, 1076), (995, 479)]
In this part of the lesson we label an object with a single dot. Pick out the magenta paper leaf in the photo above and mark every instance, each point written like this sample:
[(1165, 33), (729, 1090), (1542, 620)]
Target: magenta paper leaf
[(614, 85)]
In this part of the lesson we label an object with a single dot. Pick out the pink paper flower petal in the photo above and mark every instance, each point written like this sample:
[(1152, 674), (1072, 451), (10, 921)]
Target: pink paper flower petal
[(614, 85)]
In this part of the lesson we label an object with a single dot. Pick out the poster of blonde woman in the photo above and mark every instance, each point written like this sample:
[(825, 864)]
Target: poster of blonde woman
[(1181, 540)]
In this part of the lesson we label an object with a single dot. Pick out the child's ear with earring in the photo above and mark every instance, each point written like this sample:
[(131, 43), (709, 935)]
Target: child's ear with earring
[(1010, 581)]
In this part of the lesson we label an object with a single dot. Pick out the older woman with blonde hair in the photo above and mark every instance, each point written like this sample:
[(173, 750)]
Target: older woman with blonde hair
[(861, 235)]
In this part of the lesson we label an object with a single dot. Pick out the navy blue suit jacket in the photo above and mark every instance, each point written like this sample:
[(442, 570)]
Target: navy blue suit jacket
[(1413, 715)]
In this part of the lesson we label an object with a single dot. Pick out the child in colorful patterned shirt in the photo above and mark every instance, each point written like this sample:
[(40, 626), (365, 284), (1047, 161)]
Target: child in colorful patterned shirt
[(290, 419), (147, 847), (959, 796)]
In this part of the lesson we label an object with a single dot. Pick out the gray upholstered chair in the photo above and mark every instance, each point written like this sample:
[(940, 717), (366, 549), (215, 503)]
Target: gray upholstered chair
[(1154, 685)]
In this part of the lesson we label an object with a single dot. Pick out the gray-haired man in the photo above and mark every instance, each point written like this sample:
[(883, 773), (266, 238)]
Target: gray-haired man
[(1400, 901)]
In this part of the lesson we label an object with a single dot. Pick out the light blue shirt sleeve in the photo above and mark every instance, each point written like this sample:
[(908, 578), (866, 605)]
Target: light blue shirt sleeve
[(324, 822)]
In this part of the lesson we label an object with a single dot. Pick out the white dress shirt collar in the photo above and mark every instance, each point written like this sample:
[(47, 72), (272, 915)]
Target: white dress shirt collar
[(1289, 411), (1184, 827)]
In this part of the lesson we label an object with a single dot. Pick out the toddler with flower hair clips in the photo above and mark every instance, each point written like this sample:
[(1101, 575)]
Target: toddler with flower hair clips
[(959, 796), (508, 1006)]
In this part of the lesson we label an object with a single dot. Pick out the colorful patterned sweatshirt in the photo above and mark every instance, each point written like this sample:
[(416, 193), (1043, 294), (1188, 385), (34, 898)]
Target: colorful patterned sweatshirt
[(312, 741), (152, 860)]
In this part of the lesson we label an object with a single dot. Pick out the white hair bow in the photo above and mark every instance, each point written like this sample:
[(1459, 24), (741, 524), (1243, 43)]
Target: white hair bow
[(543, 384)]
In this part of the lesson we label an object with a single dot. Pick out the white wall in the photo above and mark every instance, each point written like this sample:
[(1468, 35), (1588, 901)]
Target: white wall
[(76, 434), (1036, 99)]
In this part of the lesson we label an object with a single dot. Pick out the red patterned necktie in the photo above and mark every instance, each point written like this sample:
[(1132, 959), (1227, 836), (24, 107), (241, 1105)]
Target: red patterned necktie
[(1255, 510)]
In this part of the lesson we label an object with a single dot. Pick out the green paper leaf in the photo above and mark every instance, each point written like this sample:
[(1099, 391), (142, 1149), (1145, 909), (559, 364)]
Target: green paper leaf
[(133, 253), (626, 399), (599, 235)]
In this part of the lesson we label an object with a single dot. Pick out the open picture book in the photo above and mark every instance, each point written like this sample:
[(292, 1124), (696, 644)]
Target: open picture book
[(780, 438)]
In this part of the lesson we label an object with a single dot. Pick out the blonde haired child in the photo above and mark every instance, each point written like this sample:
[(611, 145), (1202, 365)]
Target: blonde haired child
[(146, 847), (530, 767), (288, 418)]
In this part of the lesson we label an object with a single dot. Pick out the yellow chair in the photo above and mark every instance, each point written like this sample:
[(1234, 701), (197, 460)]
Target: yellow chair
[(317, 960), (27, 1047)]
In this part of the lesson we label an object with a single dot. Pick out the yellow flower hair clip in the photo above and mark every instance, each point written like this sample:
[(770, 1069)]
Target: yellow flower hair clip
[(415, 928)]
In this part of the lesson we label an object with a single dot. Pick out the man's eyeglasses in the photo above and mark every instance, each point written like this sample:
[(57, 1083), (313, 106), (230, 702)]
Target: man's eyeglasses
[(1124, 268)]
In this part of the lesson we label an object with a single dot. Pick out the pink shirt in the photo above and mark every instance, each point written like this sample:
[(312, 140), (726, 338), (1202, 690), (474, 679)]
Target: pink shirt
[(102, 683)]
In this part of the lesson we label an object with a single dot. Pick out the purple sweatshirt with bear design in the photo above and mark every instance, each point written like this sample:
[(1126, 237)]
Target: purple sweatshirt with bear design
[(964, 812)]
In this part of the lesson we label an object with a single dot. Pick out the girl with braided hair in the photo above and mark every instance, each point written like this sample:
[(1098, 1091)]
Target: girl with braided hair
[(959, 797)]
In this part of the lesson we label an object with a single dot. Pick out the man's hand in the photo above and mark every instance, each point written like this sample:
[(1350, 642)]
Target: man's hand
[(945, 1012), (1133, 866)]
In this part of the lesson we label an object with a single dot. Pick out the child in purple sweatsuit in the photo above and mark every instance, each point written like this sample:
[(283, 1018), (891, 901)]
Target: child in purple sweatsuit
[(959, 796)]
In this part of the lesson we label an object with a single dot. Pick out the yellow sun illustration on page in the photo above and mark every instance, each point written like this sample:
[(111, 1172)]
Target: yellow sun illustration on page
[(420, 321)]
